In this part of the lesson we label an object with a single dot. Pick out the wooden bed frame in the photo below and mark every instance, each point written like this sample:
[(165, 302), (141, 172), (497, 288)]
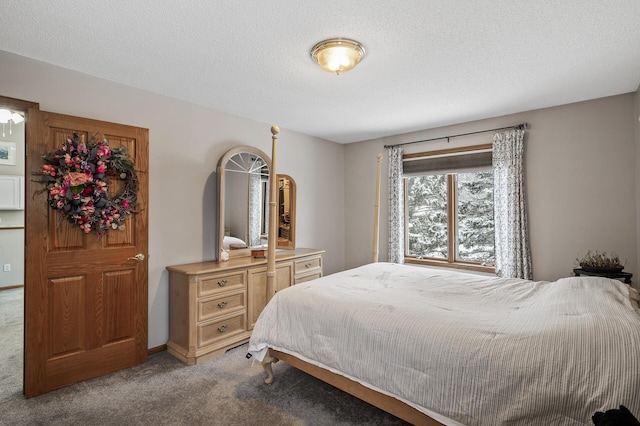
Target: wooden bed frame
[(384, 402)]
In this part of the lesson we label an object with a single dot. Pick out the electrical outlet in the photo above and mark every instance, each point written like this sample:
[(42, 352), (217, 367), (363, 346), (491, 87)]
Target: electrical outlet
[(7, 267)]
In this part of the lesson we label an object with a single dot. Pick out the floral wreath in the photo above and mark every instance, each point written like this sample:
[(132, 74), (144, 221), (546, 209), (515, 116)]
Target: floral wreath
[(76, 178)]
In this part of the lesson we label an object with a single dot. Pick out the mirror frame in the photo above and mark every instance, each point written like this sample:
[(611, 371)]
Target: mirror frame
[(288, 243), (221, 194)]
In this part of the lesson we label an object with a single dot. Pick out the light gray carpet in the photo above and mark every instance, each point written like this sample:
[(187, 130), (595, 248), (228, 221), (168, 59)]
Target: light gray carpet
[(11, 333), (223, 391)]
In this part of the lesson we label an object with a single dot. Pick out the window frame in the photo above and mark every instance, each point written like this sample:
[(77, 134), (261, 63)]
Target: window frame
[(452, 222)]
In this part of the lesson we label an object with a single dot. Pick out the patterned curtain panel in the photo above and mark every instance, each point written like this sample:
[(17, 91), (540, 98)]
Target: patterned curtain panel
[(396, 206), (255, 208), (513, 255)]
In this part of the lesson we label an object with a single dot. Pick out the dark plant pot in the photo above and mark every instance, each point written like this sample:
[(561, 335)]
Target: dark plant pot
[(602, 270)]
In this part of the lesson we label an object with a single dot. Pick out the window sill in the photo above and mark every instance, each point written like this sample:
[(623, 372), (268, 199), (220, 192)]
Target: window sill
[(454, 265)]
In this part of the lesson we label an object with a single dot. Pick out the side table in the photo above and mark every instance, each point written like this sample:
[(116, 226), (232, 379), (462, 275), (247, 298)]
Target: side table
[(614, 275)]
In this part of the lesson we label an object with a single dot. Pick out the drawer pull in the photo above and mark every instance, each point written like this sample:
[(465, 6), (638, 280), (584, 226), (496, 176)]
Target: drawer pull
[(222, 329), (222, 305), (307, 265), (222, 283)]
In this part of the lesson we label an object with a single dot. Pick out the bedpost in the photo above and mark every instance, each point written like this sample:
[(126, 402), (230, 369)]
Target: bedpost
[(266, 364), (376, 215), (272, 238)]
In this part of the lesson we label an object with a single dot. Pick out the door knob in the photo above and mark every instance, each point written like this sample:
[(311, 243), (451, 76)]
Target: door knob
[(138, 257)]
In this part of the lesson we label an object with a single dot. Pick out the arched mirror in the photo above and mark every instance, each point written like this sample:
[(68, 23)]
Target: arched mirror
[(243, 202)]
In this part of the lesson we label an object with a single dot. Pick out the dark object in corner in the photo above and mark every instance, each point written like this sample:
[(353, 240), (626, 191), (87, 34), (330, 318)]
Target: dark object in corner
[(613, 275), (615, 417)]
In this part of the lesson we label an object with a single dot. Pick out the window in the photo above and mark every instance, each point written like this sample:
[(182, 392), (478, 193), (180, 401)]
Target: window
[(449, 209)]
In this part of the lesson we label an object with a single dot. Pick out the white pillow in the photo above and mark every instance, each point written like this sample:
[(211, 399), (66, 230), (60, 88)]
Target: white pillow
[(227, 241), (634, 296)]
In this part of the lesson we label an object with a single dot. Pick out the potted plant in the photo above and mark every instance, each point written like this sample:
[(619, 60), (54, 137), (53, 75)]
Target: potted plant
[(600, 262)]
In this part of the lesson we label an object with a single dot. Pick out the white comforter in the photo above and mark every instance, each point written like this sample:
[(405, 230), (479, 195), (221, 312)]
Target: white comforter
[(467, 349)]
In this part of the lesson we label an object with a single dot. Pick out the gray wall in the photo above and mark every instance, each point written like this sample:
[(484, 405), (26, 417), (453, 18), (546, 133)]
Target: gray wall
[(12, 221), (11, 240), (581, 182), (185, 144)]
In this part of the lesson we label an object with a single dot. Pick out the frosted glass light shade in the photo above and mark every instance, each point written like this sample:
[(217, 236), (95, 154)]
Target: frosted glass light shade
[(17, 118), (337, 55), (5, 115)]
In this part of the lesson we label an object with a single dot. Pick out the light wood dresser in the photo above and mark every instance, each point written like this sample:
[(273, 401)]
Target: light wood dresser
[(213, 306)]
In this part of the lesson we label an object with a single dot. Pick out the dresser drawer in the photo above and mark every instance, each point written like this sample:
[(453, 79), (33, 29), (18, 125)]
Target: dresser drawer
[(220, 305), (211, 284), (308, 264), (222, 328), (304, 278)]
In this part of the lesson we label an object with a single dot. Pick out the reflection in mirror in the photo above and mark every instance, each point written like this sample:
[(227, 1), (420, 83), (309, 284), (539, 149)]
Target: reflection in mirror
[(286, 212), (244, 214)]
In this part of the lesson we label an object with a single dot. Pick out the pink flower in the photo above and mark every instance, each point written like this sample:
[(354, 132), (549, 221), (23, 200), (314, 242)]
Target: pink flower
[(54, 191), (101, 186), (88, 210), (103, 151), (48, 169), (78, 178)]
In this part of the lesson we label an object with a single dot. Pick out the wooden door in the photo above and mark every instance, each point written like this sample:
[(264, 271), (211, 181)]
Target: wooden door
[(85, 297)]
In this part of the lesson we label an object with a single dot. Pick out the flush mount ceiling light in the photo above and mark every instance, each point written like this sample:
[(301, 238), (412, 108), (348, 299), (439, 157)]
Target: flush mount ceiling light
[(337, 55), (7, 116)]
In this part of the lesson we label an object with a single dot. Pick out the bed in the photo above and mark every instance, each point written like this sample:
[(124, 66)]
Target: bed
[(435, 346)]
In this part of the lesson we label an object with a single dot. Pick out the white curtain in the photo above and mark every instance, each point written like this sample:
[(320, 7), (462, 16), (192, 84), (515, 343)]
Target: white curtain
[(396, 206), (255, 208), (513, 255)]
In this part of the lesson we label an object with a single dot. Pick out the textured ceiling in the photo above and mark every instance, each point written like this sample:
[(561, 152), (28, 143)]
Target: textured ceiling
[(429, 62)]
